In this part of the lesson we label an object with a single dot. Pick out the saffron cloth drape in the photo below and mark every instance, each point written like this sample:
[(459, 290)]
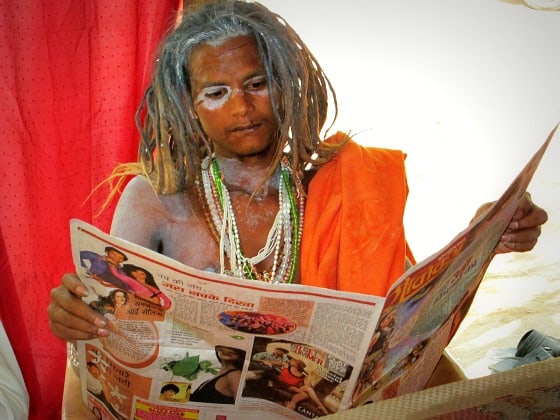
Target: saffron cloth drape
[(72, 74)]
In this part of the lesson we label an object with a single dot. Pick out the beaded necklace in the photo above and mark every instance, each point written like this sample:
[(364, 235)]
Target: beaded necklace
[(283, 239)]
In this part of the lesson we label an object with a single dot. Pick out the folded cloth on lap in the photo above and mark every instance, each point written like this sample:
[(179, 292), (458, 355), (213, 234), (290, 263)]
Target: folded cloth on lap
[(534, 346), (534, 339)]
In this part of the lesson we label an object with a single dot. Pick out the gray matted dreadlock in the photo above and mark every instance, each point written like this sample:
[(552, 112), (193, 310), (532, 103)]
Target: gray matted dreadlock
[(172, 141)]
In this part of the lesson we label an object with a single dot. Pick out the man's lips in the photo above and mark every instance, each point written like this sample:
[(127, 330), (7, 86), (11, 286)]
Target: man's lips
[(245, 127)]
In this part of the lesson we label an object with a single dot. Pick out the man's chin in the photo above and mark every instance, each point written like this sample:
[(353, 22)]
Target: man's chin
[(251, 152)]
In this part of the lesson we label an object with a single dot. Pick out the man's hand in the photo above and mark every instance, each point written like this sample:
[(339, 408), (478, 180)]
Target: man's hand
[(70, 318), (524, 229)]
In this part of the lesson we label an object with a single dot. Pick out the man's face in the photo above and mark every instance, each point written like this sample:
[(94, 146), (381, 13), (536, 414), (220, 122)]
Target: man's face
[(114, 257), (231, 97)]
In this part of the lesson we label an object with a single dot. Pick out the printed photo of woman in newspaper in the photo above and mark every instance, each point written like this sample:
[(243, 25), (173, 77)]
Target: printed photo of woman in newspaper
[(299, 377)]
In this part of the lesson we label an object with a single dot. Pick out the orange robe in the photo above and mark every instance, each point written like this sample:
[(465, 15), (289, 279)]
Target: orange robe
[(353, 234)]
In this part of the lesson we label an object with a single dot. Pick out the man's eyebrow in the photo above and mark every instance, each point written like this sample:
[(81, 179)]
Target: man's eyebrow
[(217, 83), (210, 84), (255, 74)]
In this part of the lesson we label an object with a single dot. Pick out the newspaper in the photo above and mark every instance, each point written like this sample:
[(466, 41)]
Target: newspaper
[(186, 343)]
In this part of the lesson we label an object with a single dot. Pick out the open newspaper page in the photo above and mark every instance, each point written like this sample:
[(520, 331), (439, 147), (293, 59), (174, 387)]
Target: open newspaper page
[(425, 307), (285, 350)]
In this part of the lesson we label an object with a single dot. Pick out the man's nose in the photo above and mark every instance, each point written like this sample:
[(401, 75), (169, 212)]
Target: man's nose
[(240, 102)]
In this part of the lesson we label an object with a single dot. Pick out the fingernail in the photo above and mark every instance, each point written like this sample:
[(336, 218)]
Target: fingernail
[(103, 332), (100, 322), (82, 291)]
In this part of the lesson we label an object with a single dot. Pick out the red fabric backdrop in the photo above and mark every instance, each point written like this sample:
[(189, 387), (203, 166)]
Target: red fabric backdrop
[(72, 73)]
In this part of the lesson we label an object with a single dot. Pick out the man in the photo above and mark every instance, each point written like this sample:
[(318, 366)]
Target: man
[(213, 137), (230, 124)]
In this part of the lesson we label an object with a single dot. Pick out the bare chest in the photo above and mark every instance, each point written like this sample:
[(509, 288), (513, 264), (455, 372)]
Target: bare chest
[(189, 236)]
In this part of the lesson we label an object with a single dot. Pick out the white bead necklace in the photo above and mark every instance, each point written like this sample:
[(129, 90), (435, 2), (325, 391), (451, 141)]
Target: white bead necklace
[(280, 239)]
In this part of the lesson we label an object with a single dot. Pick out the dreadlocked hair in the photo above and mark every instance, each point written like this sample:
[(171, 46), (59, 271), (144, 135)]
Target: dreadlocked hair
[(173, 144)]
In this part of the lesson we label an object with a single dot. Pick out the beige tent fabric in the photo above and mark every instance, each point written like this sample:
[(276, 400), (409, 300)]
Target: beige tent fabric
[(518, 393)]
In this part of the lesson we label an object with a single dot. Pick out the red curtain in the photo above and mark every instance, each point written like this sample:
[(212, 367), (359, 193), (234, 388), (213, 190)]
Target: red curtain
[(72, 74)]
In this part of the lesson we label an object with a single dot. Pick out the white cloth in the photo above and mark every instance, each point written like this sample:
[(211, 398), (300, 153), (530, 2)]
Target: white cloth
[(14, 399)]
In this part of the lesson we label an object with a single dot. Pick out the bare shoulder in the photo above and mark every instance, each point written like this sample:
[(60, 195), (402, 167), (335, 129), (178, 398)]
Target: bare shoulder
[(137, 188), (167, 223), (141, 213), (233, 378)]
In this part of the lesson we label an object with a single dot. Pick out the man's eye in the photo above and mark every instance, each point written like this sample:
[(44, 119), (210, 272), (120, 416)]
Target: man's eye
[(257, 83), (215, 93)]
